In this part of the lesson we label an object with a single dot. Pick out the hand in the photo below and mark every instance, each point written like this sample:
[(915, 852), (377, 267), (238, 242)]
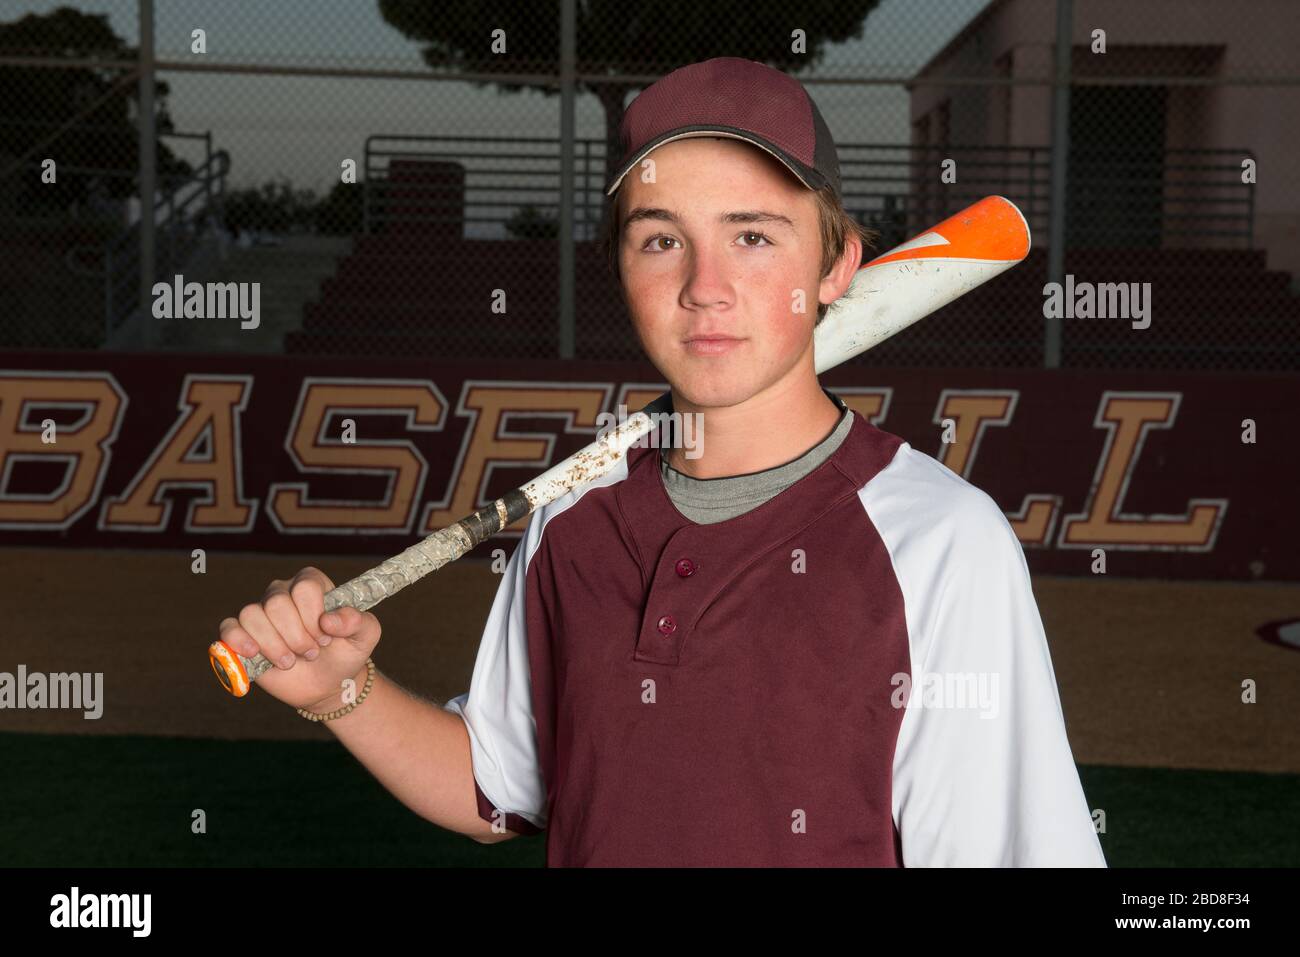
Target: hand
[(313, 654)]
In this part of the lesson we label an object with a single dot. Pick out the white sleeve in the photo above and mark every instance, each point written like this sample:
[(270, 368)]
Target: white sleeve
[(986, 778), (497, 709)]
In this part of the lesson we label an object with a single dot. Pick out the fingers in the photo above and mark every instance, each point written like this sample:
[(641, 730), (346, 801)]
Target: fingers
[(294, 608), (313, 574), (253, 619), (287, 622), (283, 613), (236, 638), (308, 590), (347, 622)]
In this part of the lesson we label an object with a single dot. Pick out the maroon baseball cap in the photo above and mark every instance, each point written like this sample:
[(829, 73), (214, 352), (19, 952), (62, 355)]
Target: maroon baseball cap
[(738, 98)]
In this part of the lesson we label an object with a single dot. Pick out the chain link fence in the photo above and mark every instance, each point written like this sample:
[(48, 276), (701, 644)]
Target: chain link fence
[(389, 174)]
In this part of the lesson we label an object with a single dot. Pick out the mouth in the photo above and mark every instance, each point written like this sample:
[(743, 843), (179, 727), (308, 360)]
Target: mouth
[(711, 345)]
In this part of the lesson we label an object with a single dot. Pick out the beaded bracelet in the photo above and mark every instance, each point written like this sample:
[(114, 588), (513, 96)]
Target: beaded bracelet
[(340, 712)]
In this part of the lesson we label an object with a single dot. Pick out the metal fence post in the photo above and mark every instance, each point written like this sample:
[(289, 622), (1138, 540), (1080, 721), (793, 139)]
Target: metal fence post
[(365, 190), (567, 44), (208, 168), (1250, 214), (171, 228), (586, 177), (148, 159), (1060, 169), (108, 293)]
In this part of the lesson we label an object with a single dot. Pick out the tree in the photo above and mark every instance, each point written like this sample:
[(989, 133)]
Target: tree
[(36, 101), (531, 223), (340, 212), (273, 207), (617, 37)]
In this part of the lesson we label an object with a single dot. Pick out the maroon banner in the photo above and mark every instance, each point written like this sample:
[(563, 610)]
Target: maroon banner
[(1188, 475)]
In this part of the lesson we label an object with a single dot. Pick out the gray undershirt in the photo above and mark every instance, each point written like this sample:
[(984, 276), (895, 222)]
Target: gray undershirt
[(705, 501)]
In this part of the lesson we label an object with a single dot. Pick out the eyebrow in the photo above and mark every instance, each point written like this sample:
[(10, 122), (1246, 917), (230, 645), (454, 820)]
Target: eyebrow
[(745, 216)]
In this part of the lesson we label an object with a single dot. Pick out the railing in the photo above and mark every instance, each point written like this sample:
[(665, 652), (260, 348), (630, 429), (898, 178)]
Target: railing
[(501, 176), (183, 207), (476, 187), (902, 189), (1192, 194), (183, 213)]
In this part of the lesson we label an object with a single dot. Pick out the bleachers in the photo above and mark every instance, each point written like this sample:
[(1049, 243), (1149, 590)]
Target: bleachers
[(412, 293), (50, 294), (401, 296)]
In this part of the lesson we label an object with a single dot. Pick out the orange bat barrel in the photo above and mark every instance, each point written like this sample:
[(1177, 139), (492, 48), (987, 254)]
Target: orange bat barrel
[(927, 272)]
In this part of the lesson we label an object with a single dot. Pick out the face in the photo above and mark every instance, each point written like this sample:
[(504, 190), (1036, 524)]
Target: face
[(714, 255)]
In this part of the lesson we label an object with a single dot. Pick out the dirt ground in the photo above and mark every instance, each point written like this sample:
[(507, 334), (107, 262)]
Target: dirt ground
[(1150, 672)]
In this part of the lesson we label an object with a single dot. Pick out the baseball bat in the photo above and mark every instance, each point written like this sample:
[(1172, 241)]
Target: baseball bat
[(887, 295)]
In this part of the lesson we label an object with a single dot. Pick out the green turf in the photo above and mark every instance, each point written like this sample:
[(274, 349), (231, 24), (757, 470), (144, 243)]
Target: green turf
[(97, 801), (1161, 817)]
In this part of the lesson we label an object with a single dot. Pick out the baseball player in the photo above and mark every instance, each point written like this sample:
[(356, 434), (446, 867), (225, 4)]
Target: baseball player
[(801, 643)]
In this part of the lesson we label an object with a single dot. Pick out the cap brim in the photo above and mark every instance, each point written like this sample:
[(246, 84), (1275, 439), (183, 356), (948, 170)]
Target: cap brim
[(809, 177)]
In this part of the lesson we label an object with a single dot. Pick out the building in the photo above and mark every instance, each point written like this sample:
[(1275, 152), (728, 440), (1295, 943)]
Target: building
[(1156, 157)]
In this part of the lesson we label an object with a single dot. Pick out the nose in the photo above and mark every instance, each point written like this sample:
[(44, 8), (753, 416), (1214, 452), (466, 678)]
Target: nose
[(708, 281)]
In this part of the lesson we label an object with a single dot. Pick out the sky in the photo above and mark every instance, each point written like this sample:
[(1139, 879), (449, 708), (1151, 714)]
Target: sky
[(301, 128)]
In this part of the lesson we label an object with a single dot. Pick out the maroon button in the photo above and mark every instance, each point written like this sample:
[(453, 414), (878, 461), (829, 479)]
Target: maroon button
[(685, 568), (666, 625)]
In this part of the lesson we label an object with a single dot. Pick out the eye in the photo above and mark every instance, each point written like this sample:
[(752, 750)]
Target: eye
[(762, 236), (656, 238)]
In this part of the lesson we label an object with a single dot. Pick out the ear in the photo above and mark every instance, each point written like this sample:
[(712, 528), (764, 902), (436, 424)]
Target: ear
[(837, 281)]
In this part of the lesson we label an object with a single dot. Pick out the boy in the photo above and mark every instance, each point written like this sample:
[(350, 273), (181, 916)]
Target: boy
[(812, 645)]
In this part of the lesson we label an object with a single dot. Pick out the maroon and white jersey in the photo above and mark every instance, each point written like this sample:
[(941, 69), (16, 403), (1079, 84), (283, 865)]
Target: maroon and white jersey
[(852, 673)]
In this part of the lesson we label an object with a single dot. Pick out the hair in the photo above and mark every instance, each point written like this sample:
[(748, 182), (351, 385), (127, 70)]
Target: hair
[(836, 226)]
